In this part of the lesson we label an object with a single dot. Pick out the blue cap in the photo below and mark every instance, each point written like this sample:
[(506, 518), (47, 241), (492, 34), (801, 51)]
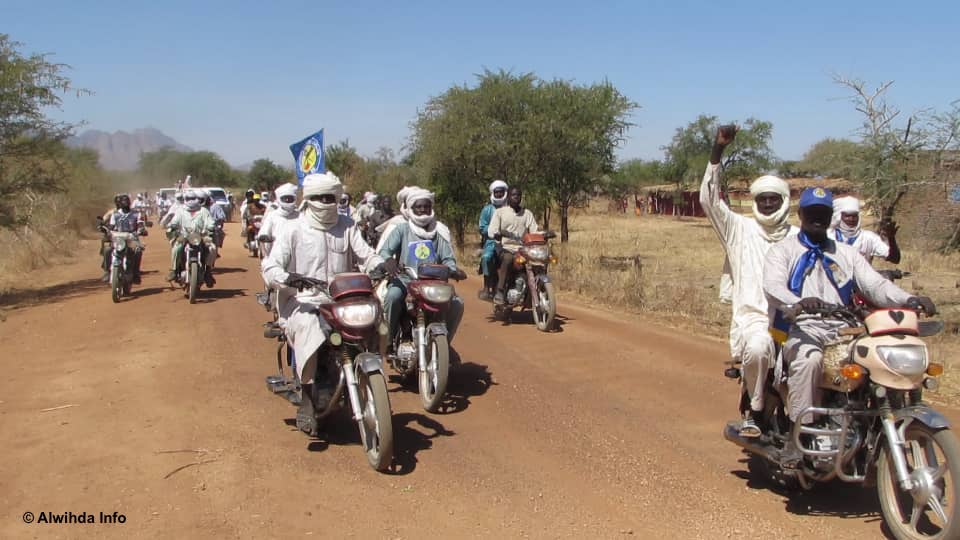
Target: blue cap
[(816, 195)]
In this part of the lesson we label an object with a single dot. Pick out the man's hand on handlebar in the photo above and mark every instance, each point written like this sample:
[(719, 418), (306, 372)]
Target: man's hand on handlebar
[(811, 304), (458, 274), (391, 267), (922, 303), (301, 282)]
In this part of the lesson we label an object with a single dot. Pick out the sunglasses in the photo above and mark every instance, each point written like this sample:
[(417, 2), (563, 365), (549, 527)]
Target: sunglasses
[(326, 198)]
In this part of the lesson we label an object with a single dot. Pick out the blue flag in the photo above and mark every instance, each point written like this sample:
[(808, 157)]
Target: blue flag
[(308, 155)]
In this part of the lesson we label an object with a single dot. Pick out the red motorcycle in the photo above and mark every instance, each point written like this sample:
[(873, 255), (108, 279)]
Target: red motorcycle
[(528, 285), (421, 346), (349, 371)]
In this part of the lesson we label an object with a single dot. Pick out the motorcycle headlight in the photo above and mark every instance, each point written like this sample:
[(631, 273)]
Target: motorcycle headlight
[(538, 253), (907, 360), (119, 244), (357, 314), (440, 293), (194, 238)]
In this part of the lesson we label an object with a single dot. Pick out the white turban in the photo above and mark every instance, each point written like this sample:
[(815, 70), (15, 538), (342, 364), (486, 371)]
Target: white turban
[(320, 215), (775, 226), (322, 184), (848, 205), (418, 194), (495, 185), (283, 191), (422, 226), (402, 200)]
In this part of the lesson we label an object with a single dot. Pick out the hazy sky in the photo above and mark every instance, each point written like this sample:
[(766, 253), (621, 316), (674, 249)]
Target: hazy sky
[(247, 78)]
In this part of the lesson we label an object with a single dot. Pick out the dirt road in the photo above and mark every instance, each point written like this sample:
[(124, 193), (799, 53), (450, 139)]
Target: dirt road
[(608, 428)]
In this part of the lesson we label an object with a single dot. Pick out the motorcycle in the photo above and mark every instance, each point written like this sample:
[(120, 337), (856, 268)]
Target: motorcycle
[(192, 266), (253, 231), (872, 427), (529, 286), (349, 360), (421, 346), (122, 261)]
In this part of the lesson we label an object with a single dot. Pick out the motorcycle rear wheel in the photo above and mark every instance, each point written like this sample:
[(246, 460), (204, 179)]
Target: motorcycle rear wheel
[(116, 289), (545, 311), (433, 380), (193, 288), (911, 517), (376, 424)]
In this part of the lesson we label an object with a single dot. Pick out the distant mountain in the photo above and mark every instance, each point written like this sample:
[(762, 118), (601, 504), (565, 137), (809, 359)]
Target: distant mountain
[(120, 151)]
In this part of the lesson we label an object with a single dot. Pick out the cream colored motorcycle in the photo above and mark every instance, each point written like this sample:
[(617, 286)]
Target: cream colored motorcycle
[(872, 427)]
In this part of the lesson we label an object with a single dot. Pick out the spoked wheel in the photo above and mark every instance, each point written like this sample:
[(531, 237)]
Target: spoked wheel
[(193, 288), (116, 288), (546, 308), (433, 379), (930, 508), (376, 424)]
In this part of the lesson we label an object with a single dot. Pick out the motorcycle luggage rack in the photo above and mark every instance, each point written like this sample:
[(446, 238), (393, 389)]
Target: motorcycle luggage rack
[(840, 433)]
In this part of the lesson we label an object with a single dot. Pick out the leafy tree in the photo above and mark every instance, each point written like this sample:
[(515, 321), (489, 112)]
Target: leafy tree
[(835, 158), (30, 142), (689, 150), (344, 161), (554, 139), (205, 168), (265, 175)]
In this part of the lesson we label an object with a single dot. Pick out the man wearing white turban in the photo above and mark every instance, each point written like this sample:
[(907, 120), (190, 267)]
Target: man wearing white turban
[(746, 242), (320, 244), (192, 217), (488, 259), (403, 215), (412, 243), (845, 228), (285, 215)]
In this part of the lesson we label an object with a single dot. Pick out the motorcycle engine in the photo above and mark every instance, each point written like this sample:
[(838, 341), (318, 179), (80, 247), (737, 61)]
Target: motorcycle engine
[(406, 352), (515, 294)]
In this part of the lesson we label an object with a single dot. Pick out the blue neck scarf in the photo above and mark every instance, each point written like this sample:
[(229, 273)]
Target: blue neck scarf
[(807, 263), (849, 241)]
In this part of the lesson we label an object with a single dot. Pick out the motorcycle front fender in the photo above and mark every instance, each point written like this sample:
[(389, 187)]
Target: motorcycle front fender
[(437, 329), (369, 362), (923, 414)]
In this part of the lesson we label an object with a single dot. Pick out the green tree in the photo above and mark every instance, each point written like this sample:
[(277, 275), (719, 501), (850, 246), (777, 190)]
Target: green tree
[(689, 150), (835, 158), (265, 175), (167, 166), (32, 155), (345, 162), (554, 139)]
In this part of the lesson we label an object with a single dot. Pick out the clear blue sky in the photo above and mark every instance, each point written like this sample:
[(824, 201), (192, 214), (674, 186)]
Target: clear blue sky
[(247, 78)]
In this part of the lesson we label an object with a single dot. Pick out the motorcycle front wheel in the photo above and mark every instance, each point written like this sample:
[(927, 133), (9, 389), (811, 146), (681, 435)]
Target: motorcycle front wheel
[(433, 379), (546, 308), (193, 288), (376, 423), (930, 510), (116, 288)]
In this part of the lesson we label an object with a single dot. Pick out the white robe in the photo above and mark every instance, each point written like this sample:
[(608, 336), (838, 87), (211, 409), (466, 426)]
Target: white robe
[(320, 255), (746, 247)]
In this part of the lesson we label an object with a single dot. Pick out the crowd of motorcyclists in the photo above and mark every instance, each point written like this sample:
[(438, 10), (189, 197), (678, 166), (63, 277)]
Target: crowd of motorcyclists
[(307, 238)]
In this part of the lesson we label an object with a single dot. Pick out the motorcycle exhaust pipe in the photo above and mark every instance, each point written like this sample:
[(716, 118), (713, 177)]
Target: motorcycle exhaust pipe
[(334, 400), (732, 433)]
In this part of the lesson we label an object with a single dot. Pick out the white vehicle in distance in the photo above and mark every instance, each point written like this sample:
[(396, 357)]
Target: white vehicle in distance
[(220, 198)]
